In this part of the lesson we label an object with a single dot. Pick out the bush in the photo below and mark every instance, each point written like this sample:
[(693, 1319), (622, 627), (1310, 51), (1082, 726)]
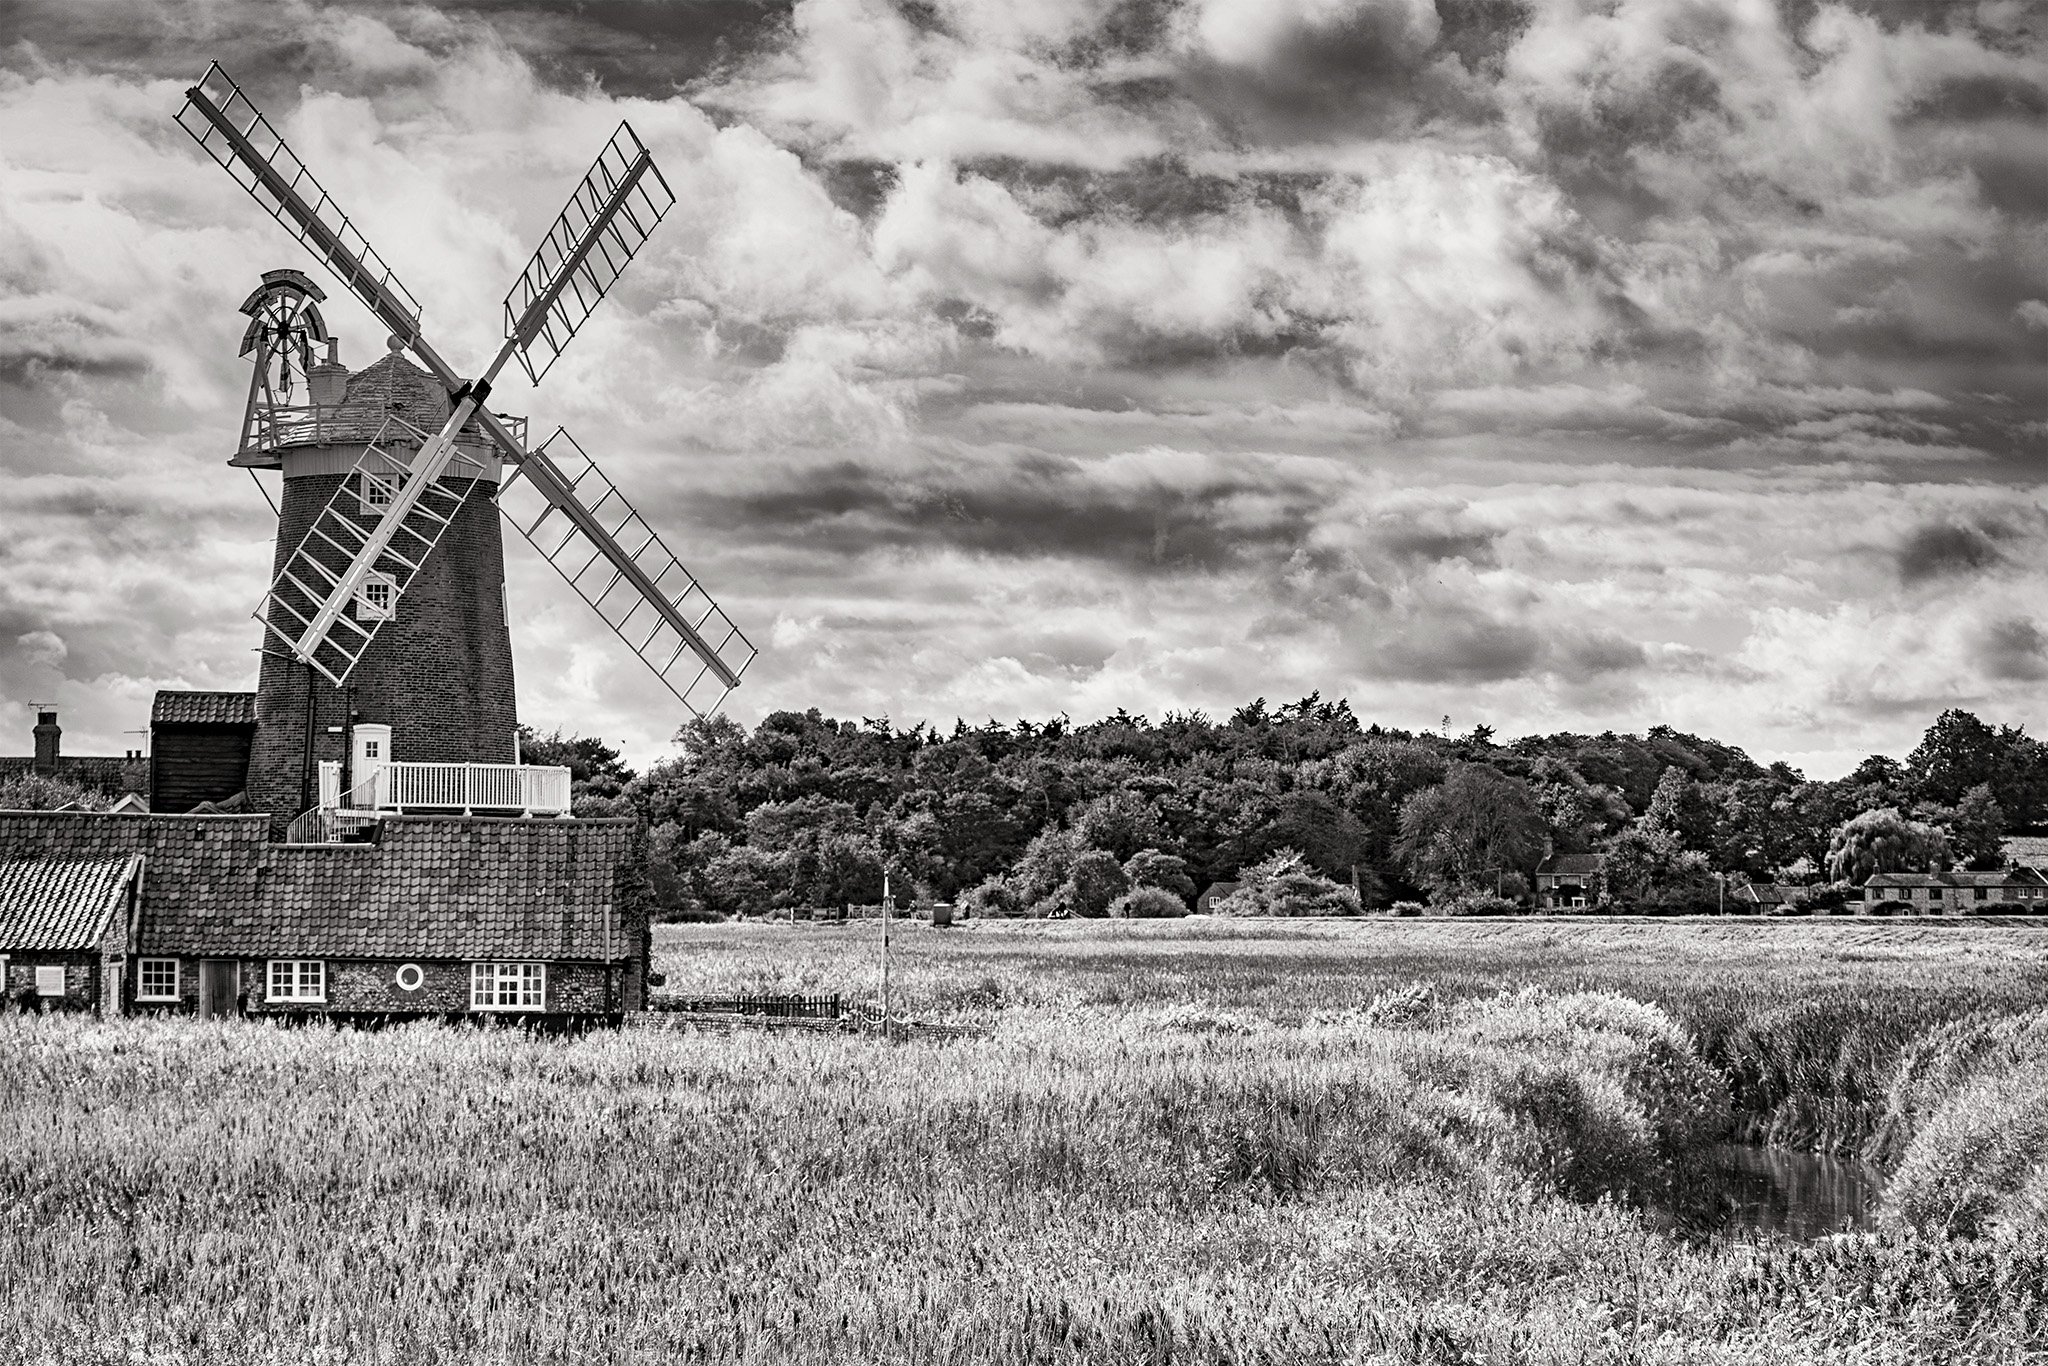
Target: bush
[(994, 899), (1284, 885), (1975, 1167), (1151, 868), (1479, 903), (1147, 903), (1093, 882), (1885, 908), (1406, 908)]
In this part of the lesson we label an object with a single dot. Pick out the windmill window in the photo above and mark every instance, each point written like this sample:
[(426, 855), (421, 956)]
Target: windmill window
[(376, 491), (508, 986), (374, 600), (156, 979), (297, 979)]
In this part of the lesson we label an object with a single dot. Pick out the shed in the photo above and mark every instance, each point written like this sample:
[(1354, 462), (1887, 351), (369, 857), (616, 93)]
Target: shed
[(64, 930)]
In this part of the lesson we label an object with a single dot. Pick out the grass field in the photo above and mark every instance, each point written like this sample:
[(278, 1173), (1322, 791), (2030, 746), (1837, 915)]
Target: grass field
[(1389, 1141)]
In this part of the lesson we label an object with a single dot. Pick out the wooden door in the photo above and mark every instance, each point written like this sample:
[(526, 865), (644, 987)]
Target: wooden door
[(219, 981)]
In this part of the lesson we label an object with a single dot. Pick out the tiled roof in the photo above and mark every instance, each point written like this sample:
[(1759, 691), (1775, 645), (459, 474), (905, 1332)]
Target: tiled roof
[(2028, 849), (179, 708), (1574, 863), (58, 904), (1907, 880), (434, 887)]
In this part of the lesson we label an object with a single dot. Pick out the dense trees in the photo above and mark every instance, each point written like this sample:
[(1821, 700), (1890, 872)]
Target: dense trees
[(1054, 818)]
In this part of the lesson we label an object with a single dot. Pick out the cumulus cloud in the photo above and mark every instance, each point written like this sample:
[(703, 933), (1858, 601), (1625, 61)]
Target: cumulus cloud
[(1550, 363)]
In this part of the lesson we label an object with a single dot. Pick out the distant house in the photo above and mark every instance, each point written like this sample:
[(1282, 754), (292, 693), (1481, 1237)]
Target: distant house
[(64, 928), (113, 776), (1766, 898), (2011, 891), (1215, 892), (1567, 882), (435, 916)]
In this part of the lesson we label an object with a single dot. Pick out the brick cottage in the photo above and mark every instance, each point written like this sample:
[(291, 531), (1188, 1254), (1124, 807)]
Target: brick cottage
[(443, 917)]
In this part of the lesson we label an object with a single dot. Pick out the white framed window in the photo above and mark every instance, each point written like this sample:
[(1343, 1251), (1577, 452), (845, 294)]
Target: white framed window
[(376, 597), (296, 979), (156, 979), (50, 981), (377, 491), (508, 986)]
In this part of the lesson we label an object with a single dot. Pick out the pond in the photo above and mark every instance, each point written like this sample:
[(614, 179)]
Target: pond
[(1756, 1190)]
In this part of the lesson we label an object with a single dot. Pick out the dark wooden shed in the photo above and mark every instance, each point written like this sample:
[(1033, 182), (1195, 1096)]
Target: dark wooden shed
[(199, 746)]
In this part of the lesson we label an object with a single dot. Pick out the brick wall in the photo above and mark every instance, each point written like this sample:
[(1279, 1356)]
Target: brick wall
[(369, 986), (81, 981), (439, 673)]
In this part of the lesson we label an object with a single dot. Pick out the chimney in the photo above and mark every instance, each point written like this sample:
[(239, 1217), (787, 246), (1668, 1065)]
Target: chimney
[(48, 733), (327, 381)]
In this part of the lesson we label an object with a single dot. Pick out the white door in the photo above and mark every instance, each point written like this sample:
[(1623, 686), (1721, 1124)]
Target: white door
[(372, 752)]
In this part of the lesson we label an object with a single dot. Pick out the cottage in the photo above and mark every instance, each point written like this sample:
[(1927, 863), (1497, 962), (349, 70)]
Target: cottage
[(1566, 882), (1214, 893), (433, 917), (64, 927), (2010, 891), (1766, 898)]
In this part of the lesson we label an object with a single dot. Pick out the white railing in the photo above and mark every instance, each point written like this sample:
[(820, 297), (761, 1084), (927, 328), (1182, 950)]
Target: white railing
[(527, 788)]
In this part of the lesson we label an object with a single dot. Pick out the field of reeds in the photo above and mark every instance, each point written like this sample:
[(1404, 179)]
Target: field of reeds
[(1178, 1142)]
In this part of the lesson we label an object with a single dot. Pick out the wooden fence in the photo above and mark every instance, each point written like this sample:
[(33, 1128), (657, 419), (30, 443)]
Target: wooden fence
[(773, 1007)]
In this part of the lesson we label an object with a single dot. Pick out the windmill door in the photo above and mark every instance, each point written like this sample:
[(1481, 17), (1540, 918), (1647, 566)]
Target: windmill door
[(219, 985), (366, 771)]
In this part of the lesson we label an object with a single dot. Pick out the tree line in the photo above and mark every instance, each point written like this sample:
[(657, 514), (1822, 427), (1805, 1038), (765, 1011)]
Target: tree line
[(1310, 810)]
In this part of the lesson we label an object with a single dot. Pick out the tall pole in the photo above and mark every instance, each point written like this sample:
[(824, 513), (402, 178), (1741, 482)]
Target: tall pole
[(886, 904)]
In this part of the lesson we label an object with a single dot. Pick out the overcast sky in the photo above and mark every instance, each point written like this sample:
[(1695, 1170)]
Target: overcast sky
[(1553, 364)]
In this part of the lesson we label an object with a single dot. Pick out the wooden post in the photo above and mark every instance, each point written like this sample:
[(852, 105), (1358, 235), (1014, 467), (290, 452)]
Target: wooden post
[(885, 953)]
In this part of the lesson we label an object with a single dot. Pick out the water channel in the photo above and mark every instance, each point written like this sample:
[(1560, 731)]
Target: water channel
[(1757, 1190)]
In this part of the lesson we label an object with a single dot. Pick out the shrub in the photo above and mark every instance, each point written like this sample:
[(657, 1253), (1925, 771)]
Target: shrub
[(994, 899), (1479, 903), (1975, 1167), (1284, 885), (1093, 882), (1147, 903), (1151, 868), (1885, 908), (1406, 908)]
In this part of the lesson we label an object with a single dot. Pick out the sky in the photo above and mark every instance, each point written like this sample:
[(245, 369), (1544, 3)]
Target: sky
[(1543, 364)]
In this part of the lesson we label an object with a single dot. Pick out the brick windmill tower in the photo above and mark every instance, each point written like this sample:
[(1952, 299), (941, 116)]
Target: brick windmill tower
[(433, 681), (386, 682)]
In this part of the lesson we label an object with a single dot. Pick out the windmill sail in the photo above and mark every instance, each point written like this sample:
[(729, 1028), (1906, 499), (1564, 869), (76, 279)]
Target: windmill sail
[(611, 213), (234, 133), (584, 526)]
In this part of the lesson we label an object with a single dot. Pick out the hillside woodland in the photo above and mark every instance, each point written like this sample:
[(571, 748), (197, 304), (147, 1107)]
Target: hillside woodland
[(1311, 811)]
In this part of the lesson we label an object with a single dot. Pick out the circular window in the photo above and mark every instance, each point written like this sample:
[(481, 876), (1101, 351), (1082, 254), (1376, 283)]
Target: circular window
[(409, 977)]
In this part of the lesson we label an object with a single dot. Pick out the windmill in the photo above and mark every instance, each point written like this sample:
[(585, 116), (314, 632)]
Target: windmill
[(401, 479)]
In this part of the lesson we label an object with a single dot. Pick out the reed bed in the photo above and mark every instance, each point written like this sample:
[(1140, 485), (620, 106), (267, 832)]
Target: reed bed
[(1471, 1166)]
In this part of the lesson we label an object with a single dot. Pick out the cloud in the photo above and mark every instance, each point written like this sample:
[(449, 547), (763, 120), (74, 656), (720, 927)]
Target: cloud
[(1938, 550), (1552, 364), (2014, 649)]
